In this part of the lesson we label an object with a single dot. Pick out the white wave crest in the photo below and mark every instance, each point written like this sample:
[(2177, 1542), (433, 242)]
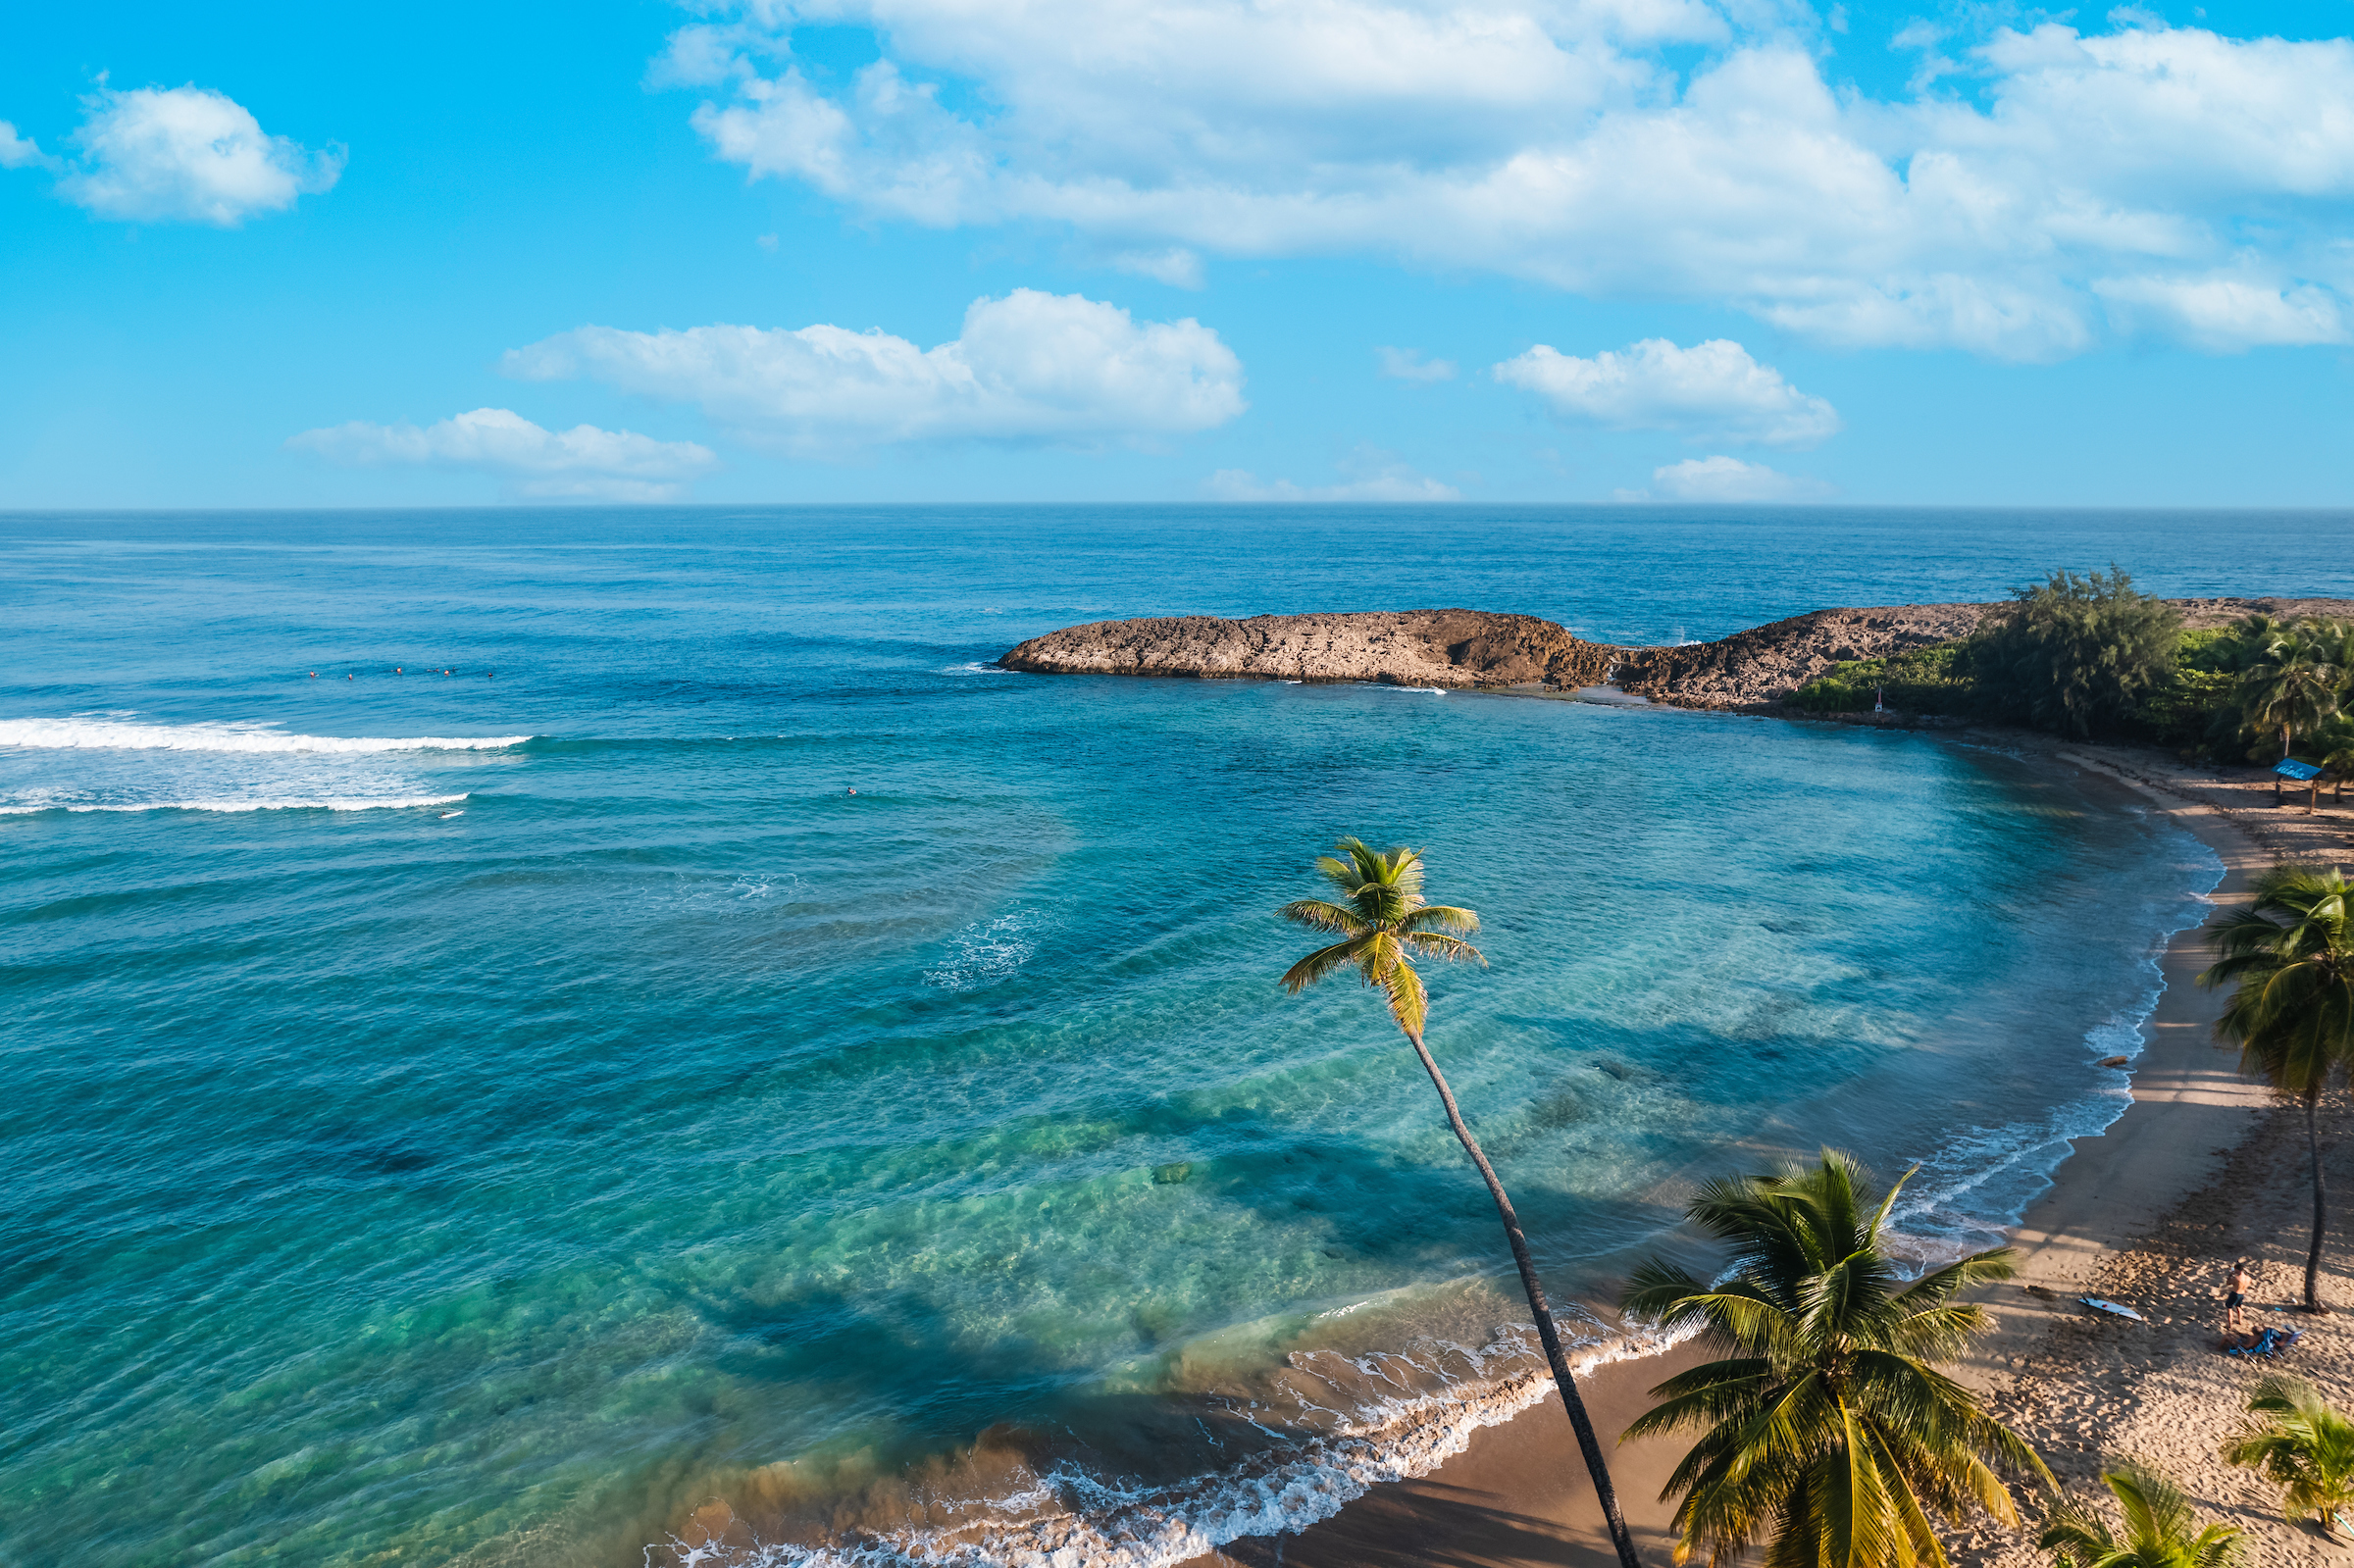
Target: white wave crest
[(237, 805), (1073, 1520), (115, 735)]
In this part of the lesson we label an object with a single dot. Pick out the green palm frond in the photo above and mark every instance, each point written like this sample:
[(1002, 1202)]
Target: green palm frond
[(1830, 1437), (1447, 950), (1381, 912), (2288, 955), (1321, 915), (2300, 1442), (2157, 1523), (1409, 1004), (1319, 964)]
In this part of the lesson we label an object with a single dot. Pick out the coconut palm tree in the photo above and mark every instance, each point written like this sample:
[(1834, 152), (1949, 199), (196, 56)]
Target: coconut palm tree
[(2288, 957), (2158, 1528), (2292, 686), (1384, 924), (1829, 1428), (2300, 1442), (2340, 763)]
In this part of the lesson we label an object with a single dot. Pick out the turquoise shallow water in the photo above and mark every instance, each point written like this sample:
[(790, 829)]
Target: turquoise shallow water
[(488, 1118)]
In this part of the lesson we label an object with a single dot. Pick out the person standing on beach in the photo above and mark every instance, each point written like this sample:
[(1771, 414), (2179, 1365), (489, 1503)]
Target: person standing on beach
[(2235, 1299)]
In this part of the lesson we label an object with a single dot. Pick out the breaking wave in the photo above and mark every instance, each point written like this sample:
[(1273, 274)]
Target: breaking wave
[(118, 735), (1064, 1517)]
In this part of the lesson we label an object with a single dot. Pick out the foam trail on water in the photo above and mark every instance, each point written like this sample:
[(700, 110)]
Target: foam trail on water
[(236, 806), (115, 735)]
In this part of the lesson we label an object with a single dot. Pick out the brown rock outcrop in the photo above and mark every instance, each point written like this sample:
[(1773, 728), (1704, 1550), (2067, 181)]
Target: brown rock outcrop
[(1476, 648), (1398, 647), (1769, 662), (2200, 614)]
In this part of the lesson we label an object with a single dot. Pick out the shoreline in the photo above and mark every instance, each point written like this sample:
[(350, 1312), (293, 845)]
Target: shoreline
[(1518, 1494)]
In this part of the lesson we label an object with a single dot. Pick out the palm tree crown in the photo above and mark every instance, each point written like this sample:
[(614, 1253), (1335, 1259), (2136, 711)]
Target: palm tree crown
[(1829, 1428), (2291, 953), (2292, 686), (2158, 1528), (1381, 923), (2288, 955), (2302, 1444)]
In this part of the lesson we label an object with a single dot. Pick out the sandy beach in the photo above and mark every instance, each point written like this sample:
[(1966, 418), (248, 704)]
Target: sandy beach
[(2200, 1169)]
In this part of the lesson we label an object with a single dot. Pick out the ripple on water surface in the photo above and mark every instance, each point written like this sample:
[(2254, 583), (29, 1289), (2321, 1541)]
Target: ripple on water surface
[(675, 1131)]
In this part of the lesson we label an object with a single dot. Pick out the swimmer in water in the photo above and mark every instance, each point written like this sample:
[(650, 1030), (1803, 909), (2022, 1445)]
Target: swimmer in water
[(853, 792)]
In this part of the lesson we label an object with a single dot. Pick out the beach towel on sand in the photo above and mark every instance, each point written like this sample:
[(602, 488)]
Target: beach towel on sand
[(2268, 1340)]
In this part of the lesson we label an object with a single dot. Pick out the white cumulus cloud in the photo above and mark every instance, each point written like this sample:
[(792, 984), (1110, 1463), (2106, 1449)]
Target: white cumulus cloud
[(186, 155), (21, 152), (1652, 148), (584, 463), (1728, 479), (1176, 266), (1029, 368), (2225, 314), (1409, 365), (1712, 390)]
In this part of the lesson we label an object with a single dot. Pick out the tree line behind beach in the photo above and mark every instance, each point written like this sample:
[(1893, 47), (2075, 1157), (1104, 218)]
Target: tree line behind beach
[(2091, 656)]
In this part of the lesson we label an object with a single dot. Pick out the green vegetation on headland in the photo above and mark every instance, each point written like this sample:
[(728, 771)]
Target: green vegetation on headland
[(2090, 656)]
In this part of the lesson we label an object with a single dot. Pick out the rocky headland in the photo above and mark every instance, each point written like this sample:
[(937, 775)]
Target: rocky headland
[(1482, 649)]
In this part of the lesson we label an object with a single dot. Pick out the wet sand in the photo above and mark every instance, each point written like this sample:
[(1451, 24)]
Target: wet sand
[(1518, 1494)]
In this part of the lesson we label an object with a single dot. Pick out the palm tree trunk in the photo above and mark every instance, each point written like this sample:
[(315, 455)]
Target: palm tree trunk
[(2313, 1259), (2283, 758), (1587, 1443)]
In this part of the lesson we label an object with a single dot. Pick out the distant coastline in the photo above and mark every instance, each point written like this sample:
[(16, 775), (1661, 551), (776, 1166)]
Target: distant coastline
[(1748, 671)]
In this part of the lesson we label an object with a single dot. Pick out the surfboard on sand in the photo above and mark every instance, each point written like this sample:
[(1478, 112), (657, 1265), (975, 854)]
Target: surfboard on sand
[(2113, 1309)]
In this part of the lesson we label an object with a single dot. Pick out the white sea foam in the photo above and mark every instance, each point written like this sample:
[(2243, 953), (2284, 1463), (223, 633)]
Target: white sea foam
[(89, 733), (21, 809), (1070, 1519), (975, 668), (987, 952)]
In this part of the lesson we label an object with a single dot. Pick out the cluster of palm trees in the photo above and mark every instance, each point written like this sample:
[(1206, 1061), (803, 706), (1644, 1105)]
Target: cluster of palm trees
[(2294, 679), (2288, 958), (1828, 1431)]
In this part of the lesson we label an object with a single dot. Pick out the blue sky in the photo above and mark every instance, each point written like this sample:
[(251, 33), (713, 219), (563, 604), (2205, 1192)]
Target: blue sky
[(1412, 249)]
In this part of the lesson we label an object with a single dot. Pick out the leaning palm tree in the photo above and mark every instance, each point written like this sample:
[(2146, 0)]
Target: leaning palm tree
[(1383, 924), (2158, 1528), (2292, 686), (1830, 1428), (2301, 1444), (2288, 957)]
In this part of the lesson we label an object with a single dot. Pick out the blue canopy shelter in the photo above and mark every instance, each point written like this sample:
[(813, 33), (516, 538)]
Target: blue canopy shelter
[(2304, 773)]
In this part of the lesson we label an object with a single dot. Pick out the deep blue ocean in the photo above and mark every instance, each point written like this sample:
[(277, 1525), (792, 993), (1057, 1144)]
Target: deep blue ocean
[(480, 1090)]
